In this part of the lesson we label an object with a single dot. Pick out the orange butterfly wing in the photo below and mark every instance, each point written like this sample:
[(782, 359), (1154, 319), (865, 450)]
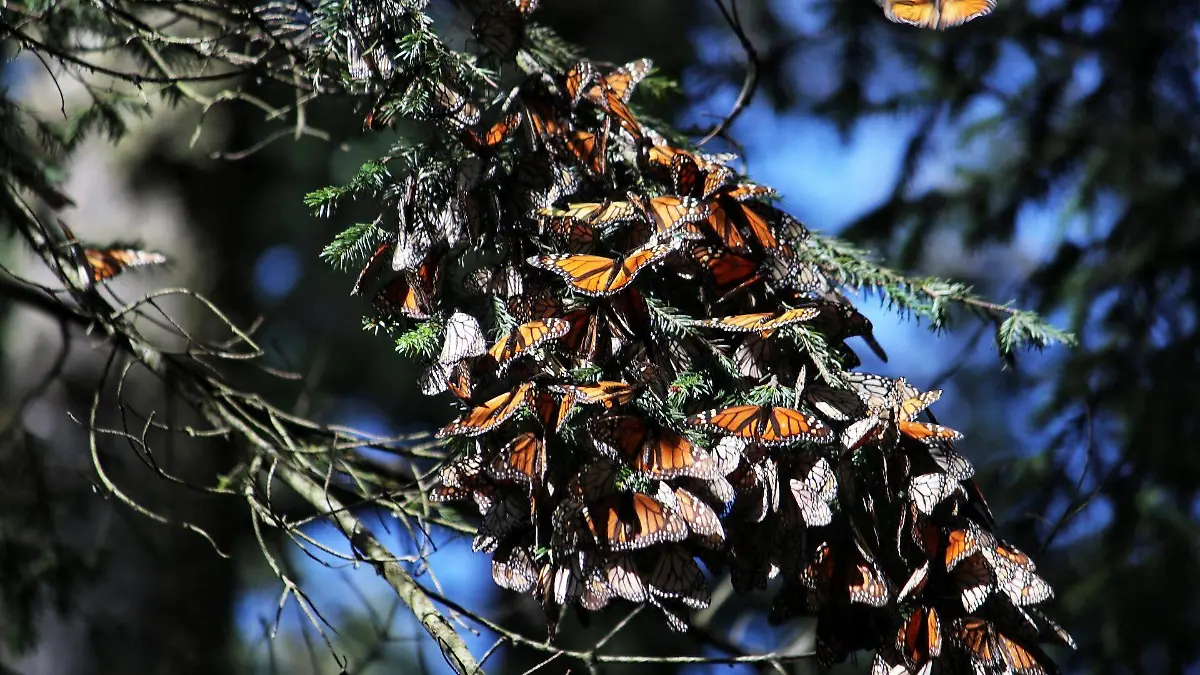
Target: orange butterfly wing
[(958, 12), (659, 453), (590, 149), (523, 460), (630, 521), (599, 276), (527, 336), (491, 414), (741, 421), (922, 13), (108, 263)]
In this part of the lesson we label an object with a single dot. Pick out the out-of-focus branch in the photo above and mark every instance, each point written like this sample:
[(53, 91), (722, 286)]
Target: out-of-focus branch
[(250, 422)]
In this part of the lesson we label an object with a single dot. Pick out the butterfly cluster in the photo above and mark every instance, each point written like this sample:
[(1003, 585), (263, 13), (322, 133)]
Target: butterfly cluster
[(653, 371)]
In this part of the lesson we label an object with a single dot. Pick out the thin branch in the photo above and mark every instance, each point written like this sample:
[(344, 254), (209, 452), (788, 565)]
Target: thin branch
[(750, 83)]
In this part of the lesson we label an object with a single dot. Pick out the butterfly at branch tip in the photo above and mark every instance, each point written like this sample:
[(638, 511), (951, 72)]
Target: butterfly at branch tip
[(936, 14)]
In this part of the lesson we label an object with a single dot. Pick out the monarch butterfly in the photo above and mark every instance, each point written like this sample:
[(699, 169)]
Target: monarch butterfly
[(627, 521), (370, 271), (702, 520), (676, 575), (596, 213), (764, 323), (513, 567), (526, 337), (912, 403), (867, 583), (606, 392), (654, 451), (590, 149), (599, 276), (533, 306), (505, 517), (412, 294), (1019, 583), (452, 107), (616, 576), (992, 649), (814, 490), (939, 14), (106, 263), (491, 414), (673, 216), (487, 142), (462, 338), (523, 460), (765, 425), (729, 272), (456, 377), (930, 489), (612, 91), (577, 79), (920, 638), (757, 488), (688, 179)]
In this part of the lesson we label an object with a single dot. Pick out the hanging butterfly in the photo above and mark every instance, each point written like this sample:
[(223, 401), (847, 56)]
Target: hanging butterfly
[(524, 338), (487, 142), (490, 415), (654, 451), (626, 521), (412, 294), (612, 91), (676, 575), (765, 425), (522, 460), (370, 271), (814, 490), (462, 338), (919, 640), (599, 276), (938, 14)]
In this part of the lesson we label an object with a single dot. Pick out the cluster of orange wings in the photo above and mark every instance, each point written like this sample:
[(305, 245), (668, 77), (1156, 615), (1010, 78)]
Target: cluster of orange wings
[(631, 330)]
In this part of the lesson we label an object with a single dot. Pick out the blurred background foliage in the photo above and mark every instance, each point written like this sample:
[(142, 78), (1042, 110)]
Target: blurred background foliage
[(1048, 154)]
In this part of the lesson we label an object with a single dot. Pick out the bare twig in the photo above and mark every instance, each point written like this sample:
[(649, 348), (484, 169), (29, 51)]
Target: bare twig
[(750, 83)]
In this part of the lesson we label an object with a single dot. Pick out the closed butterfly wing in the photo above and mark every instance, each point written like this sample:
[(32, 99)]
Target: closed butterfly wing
[(920, 638), (462, 338), (702, 520), (371, 269), (814, 490), (522, 460), (676, 575), (513, 567)]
